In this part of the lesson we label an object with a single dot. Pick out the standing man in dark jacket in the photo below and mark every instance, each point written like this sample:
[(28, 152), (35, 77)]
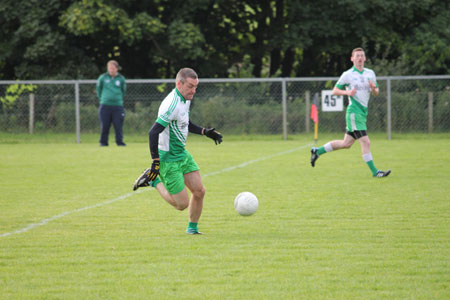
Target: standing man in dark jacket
[(111, 89)]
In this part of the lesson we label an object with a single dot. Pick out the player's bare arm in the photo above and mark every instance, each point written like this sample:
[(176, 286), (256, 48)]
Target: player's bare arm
[(339, 92), (373, 87)]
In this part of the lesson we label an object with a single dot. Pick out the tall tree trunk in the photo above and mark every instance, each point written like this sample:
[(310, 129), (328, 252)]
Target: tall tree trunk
[(275, 60), (288, 62), (276, 28), (257, 62), (259, 49), (308, 62)]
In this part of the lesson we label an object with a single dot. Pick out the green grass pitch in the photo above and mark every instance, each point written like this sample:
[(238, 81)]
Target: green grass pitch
[(71, 227)]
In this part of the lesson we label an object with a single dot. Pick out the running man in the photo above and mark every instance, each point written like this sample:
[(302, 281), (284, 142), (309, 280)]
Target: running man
[(171, 161), (357, 83)]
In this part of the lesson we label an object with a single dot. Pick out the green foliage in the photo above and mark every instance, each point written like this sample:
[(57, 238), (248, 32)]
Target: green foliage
[(427, 50), (186, 40), (33, 46), (13, 92), (141, 118), (79, 21), (238, 117), (153, 39), (92, 17)]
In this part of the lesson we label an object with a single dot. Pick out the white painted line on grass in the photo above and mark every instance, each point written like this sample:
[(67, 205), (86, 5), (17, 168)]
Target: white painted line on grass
[(256, 160), (229, 169), (45, 221)]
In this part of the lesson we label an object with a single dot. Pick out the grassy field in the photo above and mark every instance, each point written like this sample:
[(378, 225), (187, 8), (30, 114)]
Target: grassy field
[(71, 227)]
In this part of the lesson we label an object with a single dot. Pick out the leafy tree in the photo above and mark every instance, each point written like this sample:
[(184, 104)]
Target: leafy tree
[(389, 31), (33, 46), (61, 39), (427, 50), (114, 29)]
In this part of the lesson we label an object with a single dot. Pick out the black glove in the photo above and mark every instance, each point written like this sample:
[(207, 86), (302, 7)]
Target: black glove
[(213, 134), (154, 171)]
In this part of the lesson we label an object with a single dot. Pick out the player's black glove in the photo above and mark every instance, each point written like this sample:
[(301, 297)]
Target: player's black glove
[(154, 171), (213, 134)]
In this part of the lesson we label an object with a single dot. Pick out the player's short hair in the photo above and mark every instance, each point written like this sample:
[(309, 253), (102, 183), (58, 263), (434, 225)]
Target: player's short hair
[(357, 50), (115, 63), (185, 73)]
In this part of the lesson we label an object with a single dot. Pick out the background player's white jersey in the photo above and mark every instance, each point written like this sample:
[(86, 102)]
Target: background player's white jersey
[(353, 78), (174, 115)]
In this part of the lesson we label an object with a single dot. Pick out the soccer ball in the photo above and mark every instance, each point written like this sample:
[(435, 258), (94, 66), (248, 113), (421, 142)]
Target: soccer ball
[(246, 204)]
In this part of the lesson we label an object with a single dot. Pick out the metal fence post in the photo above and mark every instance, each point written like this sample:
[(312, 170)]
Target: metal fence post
[(283, 95), (31, 114), (77, 110), (307, 108), (389, 129), (430, 112)]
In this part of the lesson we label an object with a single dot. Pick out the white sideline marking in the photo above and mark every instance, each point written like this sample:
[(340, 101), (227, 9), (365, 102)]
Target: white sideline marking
[(229, 169), (45, 221), (255, 160)]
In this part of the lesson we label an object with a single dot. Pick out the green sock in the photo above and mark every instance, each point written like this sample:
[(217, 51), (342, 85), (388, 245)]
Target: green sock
[(192, 228), (372, 167), (155, 182), (193, 225), (321, 150)]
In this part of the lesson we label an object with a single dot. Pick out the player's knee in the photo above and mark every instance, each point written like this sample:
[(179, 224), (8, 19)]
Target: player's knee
[(182, 206), (200, 192)]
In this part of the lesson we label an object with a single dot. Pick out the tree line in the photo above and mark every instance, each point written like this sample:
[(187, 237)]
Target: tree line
[(61, 39)]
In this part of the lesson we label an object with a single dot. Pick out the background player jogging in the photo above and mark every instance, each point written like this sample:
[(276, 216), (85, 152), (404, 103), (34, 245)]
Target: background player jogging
[(171, 161), (357, 83)]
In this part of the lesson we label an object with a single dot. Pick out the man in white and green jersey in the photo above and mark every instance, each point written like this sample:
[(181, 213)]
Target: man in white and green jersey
[(357, 83), (171, 161)]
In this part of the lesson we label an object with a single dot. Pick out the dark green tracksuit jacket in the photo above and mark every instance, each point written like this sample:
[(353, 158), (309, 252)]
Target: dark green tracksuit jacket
[(110, 90)]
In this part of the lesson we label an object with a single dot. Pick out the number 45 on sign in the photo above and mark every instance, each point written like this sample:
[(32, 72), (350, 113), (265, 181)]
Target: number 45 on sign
[(331, 102)]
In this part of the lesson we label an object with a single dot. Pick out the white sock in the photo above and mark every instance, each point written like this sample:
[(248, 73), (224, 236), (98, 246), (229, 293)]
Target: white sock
[(328, 147), (367, 157)]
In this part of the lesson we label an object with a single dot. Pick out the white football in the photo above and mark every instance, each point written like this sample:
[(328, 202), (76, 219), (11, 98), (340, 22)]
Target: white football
[(246, 204)]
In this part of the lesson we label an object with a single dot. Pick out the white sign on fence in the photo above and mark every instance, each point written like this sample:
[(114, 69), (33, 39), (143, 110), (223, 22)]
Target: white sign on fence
[(331, 102)]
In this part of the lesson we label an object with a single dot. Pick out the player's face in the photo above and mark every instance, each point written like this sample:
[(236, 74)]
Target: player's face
[(112, 69), (358, 58), (188, 88)]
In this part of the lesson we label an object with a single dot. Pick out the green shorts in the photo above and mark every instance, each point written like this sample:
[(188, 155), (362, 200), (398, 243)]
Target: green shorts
[(355, 121), (172, 173)]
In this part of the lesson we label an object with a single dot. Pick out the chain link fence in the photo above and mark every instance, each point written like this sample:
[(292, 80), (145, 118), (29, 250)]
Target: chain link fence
[(277, 106)]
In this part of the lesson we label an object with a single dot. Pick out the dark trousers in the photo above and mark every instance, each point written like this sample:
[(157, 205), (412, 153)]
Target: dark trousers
[(111, 114)]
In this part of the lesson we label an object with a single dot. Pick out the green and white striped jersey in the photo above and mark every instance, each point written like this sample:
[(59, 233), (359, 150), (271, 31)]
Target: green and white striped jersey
[(353, 78), (174, 115)]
